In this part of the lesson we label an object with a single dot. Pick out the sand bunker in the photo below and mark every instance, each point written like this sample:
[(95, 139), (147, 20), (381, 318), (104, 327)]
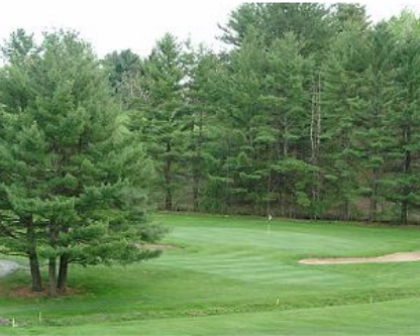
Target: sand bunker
[(394, 257), (156, 246)]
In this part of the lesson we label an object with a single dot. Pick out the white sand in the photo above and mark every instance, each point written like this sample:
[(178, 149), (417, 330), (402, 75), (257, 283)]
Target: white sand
[(394, 257)]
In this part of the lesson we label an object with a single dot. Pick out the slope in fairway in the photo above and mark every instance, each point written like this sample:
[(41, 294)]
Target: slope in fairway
[(234, 276)]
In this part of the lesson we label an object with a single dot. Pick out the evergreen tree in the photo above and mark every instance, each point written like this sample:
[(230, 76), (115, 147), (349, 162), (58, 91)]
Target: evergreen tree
[(343, 103), (372, 136), (161, 115), (198, 99), (75, 188), (403, 122), (287, 101), (124, 70), (310, 22)]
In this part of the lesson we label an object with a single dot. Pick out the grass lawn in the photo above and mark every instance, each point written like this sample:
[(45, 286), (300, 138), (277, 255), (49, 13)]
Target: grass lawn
[(233, 276)]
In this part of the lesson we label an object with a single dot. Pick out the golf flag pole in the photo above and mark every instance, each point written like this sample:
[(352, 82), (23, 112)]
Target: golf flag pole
[(269, 224)]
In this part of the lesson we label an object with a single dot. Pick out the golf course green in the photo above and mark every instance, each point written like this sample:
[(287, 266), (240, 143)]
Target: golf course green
[(236, 276)]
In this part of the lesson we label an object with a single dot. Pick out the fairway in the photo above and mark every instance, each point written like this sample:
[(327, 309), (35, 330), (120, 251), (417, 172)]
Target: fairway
[(236, 276)]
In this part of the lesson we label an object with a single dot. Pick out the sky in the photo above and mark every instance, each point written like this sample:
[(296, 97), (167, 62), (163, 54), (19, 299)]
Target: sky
[(121, 24)]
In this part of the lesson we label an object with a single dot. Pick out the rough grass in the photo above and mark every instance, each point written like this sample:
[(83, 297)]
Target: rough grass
[(233, 276)]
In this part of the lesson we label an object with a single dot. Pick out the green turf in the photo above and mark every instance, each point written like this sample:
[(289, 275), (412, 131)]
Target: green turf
[(233, 276)]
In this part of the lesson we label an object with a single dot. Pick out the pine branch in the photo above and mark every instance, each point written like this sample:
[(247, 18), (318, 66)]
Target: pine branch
[(6, 231)]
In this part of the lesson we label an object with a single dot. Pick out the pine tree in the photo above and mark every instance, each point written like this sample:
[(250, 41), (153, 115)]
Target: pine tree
[(161, 114), (20, 234), (77, 177), (287, 101), (372, 137), (403, 122), (343, 103), (201, 66), (241, 87), (310, 22), (124, 69)]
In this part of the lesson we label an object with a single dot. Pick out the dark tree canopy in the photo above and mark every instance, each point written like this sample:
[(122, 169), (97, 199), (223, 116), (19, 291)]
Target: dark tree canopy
[(312, 113)]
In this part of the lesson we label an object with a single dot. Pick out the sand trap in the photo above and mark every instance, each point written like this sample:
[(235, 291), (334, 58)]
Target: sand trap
[(394, 257), (156, 246)]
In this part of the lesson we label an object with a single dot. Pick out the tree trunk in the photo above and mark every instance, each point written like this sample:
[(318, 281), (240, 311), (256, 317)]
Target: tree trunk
[(197, 163), (285, 139), (227, 188), (346, 210), (52, 261), (52, 277), (404, 212), (196, 192), (268, 191), (406, 172), (168, 198), (373, 208), (168, 180), (315, 136), (62, 273), (35, 272), (33, 256)]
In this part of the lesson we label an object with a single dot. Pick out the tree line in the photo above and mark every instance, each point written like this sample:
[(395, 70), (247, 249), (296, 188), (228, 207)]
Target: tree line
[(312, 113)]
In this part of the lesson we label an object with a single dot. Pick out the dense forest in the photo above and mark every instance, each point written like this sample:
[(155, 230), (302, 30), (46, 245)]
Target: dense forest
[(312, 113)]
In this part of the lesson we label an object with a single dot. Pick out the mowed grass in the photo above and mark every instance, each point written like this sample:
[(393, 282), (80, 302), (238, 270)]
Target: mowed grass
[(236, 276)]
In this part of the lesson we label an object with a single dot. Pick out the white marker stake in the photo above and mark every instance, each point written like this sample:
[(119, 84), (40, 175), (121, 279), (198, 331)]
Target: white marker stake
[(13, 323), (40, 318)]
